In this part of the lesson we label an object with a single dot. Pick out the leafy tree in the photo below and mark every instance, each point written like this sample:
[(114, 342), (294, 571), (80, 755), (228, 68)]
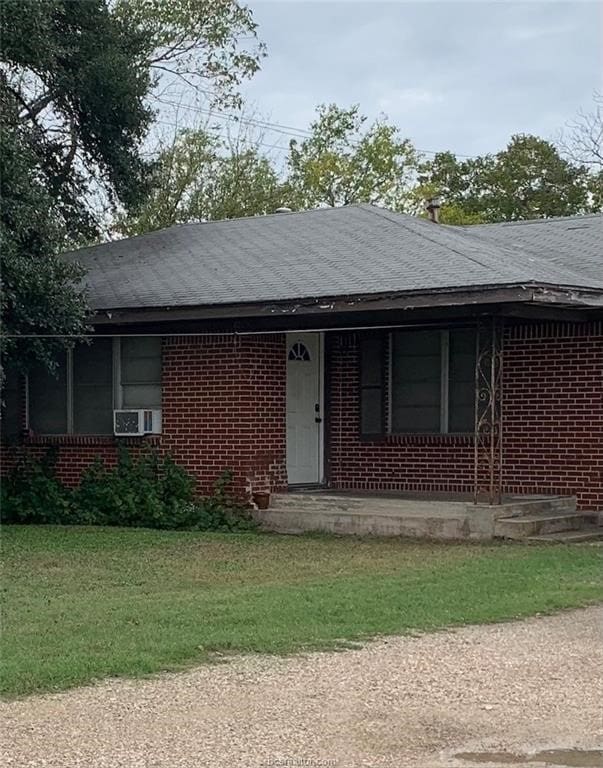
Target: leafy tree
[(595, 191), (72, 95), (74, 71), (40, 299), (344, 162), (455, 182), (75, 83), (527, 180), (244, 184), (197, 42), (531, 180), (178, 172), (202, 177)]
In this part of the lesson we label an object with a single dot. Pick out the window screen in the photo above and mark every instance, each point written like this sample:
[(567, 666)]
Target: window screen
[(10, 413), (415, 381), (141, 372), (48, 398), (93, 388), (372, 369), (461, 381)]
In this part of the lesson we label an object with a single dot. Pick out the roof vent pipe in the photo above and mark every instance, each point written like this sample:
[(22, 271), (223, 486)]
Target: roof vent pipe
[(433, 208), (283, 209)]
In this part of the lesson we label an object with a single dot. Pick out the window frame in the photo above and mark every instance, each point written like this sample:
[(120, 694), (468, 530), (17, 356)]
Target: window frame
[(117, 393), (388, 394), (384, 340), (444, 429)]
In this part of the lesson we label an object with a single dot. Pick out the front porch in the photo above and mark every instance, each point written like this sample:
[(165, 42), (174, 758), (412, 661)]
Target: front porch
[(542, 518), (419, 410)]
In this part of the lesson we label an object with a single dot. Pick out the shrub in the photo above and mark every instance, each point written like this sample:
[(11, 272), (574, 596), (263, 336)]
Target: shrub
[(221, 511), (32, 494), (127, 494), (148, 491)]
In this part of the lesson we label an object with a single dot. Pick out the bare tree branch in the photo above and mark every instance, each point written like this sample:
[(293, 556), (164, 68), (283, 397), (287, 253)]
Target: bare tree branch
[(583, 141)]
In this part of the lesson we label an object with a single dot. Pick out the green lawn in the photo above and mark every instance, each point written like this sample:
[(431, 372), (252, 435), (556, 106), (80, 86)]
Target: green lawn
[(87, 603)]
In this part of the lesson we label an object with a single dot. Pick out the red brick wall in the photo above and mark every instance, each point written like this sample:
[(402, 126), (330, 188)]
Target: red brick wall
[(424, 463), (74, 453), (553, 411), (553, 423), (223, 407)]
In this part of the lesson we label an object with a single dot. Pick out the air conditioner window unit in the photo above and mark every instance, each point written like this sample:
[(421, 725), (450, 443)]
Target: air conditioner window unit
[(141, 421)]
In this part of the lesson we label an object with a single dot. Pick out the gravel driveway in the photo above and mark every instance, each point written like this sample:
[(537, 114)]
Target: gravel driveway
[(405, 701)]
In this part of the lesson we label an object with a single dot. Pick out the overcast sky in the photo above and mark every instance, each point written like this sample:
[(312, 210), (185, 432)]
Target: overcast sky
[(463, 76)]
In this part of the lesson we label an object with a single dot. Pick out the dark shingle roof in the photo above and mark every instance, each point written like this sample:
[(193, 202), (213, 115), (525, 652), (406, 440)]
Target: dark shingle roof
[(574, 242), (355, 250)]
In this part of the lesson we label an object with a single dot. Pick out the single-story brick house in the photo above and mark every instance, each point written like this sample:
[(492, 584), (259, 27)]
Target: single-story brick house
[(352, 348)]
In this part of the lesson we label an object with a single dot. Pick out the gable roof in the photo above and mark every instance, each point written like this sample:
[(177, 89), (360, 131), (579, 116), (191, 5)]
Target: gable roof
[(350, 251)]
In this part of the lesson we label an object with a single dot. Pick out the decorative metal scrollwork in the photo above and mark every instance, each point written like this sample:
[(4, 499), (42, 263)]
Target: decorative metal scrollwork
[(488, 411)]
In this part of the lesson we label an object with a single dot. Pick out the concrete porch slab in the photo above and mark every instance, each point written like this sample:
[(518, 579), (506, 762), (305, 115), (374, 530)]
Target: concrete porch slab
[(389, 515)]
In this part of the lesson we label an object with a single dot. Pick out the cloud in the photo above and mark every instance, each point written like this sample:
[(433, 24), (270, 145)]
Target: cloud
[(395, 99), (528, 34), (463, 76)]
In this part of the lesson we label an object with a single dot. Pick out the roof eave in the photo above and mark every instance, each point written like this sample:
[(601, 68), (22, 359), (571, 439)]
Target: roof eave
[(527, 293)]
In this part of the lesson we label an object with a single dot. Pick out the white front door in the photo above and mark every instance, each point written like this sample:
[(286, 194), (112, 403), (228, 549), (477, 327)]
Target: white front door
[(304, 411)]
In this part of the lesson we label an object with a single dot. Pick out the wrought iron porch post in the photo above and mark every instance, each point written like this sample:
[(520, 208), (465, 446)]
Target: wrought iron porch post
[(488, 411)]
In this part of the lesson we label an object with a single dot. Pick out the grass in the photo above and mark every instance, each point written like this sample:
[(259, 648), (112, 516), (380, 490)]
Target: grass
[(87, 603)]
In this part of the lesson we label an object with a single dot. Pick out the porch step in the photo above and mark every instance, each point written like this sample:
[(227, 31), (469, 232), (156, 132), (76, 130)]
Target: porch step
[(542, 524), (395, 515), (376, 515), (365, 522), (588, 533), (325, 501), (537, 505)]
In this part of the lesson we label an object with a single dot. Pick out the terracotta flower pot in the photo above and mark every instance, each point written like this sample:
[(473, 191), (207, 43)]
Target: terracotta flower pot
[(261, 500)]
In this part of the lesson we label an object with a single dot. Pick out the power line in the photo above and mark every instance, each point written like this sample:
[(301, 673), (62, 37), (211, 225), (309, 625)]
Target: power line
[(260, 143), (275, 127)]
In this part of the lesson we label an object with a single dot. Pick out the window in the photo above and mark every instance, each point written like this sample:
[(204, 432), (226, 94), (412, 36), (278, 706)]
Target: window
[(93, 379), (93, 388), (299, 351), (10, 413), (415, 381), (461, 381), (141, 372), (372, 379), (429, 383), (48, 398)]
